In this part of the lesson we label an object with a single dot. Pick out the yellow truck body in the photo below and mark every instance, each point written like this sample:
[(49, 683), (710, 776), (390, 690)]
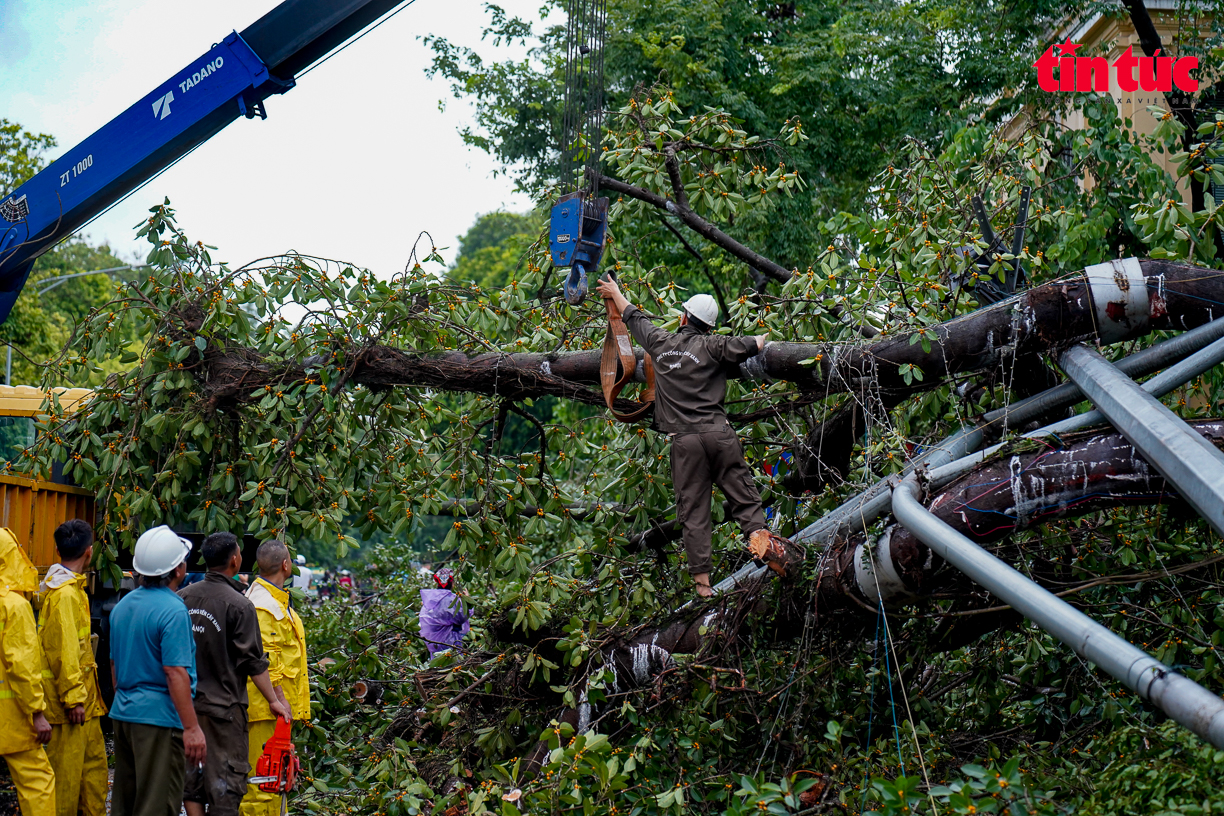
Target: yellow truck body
[(33, 508)]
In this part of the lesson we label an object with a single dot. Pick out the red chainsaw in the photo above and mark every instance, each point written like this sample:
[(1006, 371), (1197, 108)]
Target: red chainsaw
[(277, 768)]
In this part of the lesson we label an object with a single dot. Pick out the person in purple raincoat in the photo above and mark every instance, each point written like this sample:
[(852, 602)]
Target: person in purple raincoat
[(444, 618)]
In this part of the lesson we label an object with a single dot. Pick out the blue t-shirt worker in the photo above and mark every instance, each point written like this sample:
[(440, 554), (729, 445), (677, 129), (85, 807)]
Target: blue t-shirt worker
[(153, 667)]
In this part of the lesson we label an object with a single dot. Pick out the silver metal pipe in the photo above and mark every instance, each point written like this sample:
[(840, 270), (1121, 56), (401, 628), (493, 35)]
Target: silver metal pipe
[(952, 457), (859, 512), (1173, 377), (1181, 698), (1140, 364), (1190, 463), (746, 573)]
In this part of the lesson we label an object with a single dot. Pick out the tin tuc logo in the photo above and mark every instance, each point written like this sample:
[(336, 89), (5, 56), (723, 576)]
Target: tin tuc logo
[(1092, 73)]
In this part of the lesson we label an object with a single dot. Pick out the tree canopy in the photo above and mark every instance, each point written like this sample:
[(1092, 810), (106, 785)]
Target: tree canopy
[(39, 325), (310, 400), (494, 248), (860, 77)]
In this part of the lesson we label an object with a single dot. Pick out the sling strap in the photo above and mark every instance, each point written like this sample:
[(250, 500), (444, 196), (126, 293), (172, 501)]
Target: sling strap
[(617, 348)]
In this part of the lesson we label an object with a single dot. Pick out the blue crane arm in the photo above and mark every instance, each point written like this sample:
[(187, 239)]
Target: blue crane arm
[(229, 81)]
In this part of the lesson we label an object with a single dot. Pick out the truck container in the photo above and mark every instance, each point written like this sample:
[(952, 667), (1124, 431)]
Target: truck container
[(33, 508)]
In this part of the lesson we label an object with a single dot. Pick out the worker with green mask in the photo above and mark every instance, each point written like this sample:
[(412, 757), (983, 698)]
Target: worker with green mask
[(691, 384)]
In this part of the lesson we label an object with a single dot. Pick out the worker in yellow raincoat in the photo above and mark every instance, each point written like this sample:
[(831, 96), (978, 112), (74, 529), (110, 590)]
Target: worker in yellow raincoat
[(23, 725), (74, 705), (284, 639)]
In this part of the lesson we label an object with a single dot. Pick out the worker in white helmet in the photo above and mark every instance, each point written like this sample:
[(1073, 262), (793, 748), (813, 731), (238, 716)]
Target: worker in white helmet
[(305, 575), (153, 667), (690, 386)]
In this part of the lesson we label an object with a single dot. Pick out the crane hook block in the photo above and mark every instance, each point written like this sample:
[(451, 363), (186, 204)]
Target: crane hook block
[(577, 233)]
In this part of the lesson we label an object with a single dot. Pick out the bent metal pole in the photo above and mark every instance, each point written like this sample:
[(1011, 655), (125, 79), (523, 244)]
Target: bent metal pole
[(947, 460), (859, 512), (1190, 463), (1181, 698), (1173, 377), (952, 456)]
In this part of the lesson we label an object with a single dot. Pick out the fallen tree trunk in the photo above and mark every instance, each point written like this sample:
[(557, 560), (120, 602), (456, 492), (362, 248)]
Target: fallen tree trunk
[(1174, 296), (1004, 495), (1008, 493)]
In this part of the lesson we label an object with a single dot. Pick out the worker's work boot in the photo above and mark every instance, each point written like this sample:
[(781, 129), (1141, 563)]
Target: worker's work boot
[(768, 548)]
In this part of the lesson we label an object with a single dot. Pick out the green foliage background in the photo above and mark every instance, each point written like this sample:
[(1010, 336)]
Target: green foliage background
[(866, 193), (39, 326)]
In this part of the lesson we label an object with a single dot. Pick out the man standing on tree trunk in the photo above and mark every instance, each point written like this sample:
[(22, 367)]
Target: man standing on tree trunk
[(690, 386)]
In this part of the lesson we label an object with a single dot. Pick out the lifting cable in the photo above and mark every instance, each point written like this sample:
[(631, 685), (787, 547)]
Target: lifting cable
[(582, 117), (579, 222), (866, 786), (891, 644)]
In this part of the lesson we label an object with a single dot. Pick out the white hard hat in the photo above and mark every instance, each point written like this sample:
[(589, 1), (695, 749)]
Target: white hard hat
[(301, 559), (159, 550), (703, 308)]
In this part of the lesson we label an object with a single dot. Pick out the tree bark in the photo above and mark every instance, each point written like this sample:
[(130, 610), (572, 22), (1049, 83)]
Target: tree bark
[(1007, 494), (700, 226), (1050, 316)]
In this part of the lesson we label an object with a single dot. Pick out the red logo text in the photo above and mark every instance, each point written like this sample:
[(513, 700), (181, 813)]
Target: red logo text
[(1092, 73)]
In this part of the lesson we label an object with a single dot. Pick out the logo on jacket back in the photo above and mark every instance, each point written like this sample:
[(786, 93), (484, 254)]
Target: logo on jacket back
[(675, 365), (162, 106), (202, 613), (1092, 73)]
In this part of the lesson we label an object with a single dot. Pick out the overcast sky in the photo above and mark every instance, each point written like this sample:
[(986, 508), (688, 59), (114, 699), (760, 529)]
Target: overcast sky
[(351, 164)]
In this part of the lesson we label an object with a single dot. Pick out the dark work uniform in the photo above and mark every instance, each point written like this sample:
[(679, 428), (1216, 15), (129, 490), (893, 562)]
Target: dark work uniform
[(228, 651), (690, 386)]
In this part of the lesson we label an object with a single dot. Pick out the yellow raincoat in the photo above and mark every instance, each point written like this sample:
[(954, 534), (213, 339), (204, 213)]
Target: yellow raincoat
[(284, 639), (21, 694), (77, 752)]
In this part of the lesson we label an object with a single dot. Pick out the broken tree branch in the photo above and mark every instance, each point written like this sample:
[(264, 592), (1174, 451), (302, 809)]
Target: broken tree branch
[(718, 291), (1178, 296), (700, 226), (1181, 104), (1010, 492)]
